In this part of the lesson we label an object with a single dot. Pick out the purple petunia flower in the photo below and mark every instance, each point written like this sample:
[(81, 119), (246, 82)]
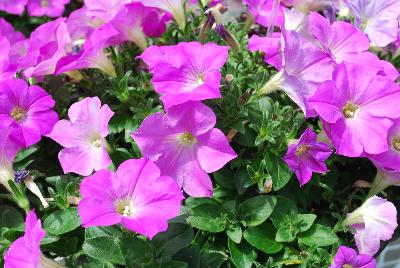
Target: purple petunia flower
[(135, 196), (357, 109), (84, 137), (185, 145), (174, 7), (50, 8), (186, 72), (269, 46), (373, 222), (27, 110), (16, 7), (264, 13), (25, 251), (347, 257), (307, 156)]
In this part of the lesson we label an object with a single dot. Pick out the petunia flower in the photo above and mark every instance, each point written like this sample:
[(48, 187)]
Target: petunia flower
[(383, 179), (304, 67), (266, 12), (390, 158), (135, 196), (186, 72), (27, 110), (8, 151), (15, 7), (270, 46), (373, 222), (84, 137), (50, 8), (25, 251), (357, 109), (185, 145), (307, 156), (377, 19), (105, 9), (347, 257), (175, 7), (92, 54)]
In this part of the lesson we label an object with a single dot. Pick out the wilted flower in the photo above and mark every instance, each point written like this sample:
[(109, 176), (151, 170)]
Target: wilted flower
[(307, 156), (25, 251), (135, 196), (84, 137), (347, 257), (373, 222), (357, 109), (186, 72), (27, 110), (50, 8), (185, 145)]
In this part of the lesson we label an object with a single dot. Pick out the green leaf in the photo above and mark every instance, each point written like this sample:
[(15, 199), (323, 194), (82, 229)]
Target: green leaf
[(62, 221), (207, 217), (304, 221), (104, 248), (92, 232), (286, 234), (318, 235), (263, 238), (257, 209), (224, 178), (242, 255), (258, 108), (234, 232), (10, 217), (284, 208), (137, 252), (277, 169), (177, 237)]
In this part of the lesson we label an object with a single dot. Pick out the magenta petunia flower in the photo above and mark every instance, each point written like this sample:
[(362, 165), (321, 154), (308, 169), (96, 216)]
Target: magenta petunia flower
[(50, 8), (185, 145), (135, 21), (377, 19), (6, 72), (47, 45), (8, 151), (391, 157), (175, 7), (357, 109), (27, 110), (373, 222), (105, 9), (307, 156), (186, 72), (347, 257), (264, 13), (25, 251), (135, 196), (84, 137), (15, 7), (81, 23), (92, 54), (269, 46)]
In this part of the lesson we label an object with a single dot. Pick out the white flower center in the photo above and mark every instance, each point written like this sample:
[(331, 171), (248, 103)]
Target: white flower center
[(200, 79), (125, 208), (187, 139), (349, 110)]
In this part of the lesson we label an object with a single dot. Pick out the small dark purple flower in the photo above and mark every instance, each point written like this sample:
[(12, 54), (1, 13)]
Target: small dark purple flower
[(20, 175)]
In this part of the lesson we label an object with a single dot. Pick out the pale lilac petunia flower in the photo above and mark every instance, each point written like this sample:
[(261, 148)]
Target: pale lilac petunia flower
[(377, 19), (186, 72), (265, 13), (373, 222), (84, 137), (307, 156), (347, 257), (50, 8), (135, 196), (185, 145), (15, 7), (27, 110), (25, 251), (357, 109), (175, 7)]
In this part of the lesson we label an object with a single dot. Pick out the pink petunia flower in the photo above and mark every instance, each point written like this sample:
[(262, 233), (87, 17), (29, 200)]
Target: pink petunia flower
[(348, 257), (92, 54), (135, 196), (265, 13), (105, 9), (185, 145), (84, 137), (270, 46), (25, 251), (27, 110), (50, 8), (377, 19), (357, 109), (175, 7), (15, 7), (8, 151), (186, 72), (307, 156), (373, 222)]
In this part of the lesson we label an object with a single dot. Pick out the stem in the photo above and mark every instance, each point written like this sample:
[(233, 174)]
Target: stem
[(248, 23), (273, 84)]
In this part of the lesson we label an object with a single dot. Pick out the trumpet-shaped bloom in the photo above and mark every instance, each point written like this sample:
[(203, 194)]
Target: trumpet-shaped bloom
[(357, 109), (373, 222), (264, 13), (269, 46), (8, 151), (307, 156), (16, 7), (92, 54), (27, 110), (186, 72), (13, 52), (348, 257), (185, 145), (105, 9), (175, 7), (377, 19), (383, 179), (83, 137), (25, 251), (135, 196), (50, 8)]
